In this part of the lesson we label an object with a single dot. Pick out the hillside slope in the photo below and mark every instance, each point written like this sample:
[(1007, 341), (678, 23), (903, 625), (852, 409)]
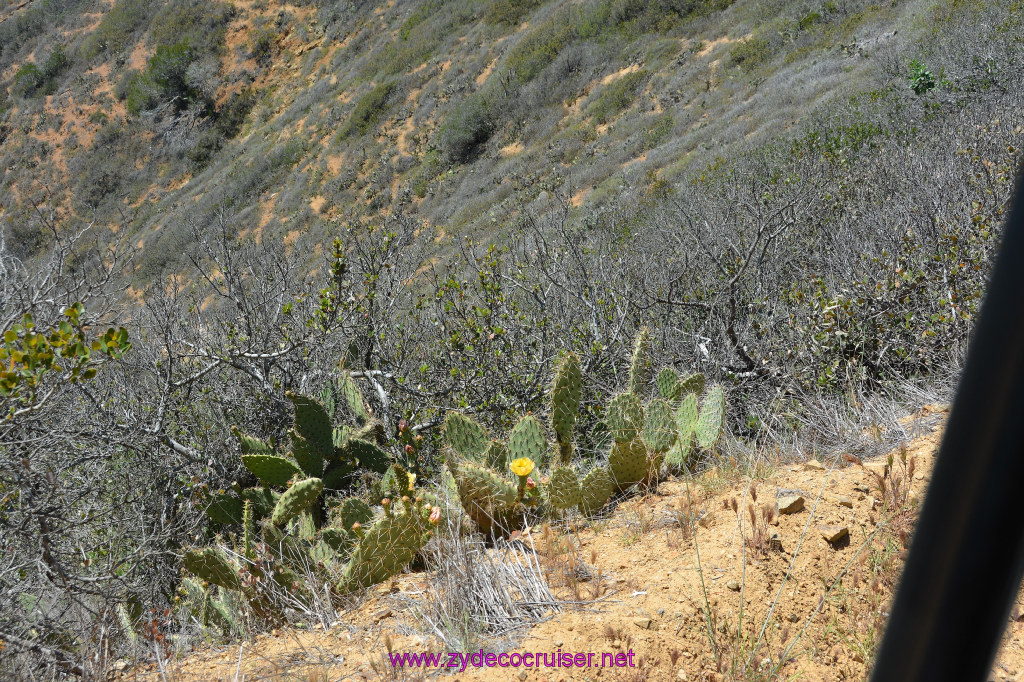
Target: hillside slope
[(286, 120)]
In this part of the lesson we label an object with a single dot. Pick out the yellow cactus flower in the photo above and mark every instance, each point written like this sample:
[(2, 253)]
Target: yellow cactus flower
[(521, 467)]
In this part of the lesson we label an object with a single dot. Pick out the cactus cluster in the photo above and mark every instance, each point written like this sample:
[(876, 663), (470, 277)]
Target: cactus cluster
[(497, 501), (288, 522), (667, 428)]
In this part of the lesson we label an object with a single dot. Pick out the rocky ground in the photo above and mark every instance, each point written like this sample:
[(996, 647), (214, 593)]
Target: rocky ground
[(802, 591)]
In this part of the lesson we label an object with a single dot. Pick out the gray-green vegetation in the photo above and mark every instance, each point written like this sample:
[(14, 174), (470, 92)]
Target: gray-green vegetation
[(633, 238)]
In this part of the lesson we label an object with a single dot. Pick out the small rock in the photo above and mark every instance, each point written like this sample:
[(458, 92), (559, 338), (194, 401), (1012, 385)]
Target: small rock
[(733, 585), (558, 643), (834, 533), (642, 623), (681, 675), (793, 618), (522, 674), (845, 501), (791, 504), (813, 465), (661, 612)]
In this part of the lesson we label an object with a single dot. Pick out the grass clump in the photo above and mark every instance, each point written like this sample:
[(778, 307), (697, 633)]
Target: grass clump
[(617, 96)]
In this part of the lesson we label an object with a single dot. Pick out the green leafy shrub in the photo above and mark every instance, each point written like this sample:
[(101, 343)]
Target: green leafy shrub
[(510, 12), (369, 110), (117, 30), (199, 23), (469, 126), (261, 45), (921, 79), (31, 81), (750, 53)]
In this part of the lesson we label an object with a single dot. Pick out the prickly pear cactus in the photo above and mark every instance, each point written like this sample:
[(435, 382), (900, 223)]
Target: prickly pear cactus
[(693, 384), (296, 500), (712, 411), (625, 417), (210, 564), (368, 455), (353, 397), (250, 445), (668, 384), (248, 530), (271, 469), (487, 497), (686, 425), (351, 510), (496, 456), (563, 488), (388, 544), (566, 389), (628, 463), (313, 425), (308, 456), (527, 440), (596, 489), (466, 437), (659, 426), (225, 509), (639, 371)]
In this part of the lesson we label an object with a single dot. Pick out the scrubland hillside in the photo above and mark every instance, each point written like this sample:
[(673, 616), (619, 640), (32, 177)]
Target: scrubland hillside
[(265, 265)]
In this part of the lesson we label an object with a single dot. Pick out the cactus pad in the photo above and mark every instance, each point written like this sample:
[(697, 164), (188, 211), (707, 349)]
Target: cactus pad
[(313, 424), (527, 440), (487, 497), (350, 510), (465, 436), (296, 500), (386, 547), (628, 463), (497, 455), (686, 418), (639, 371), (309, 457), (225, 509), (211, 565), (250, 445), (271, 469), (668, 384), (596, 489), (262, 499), (625, 417), (659, 426), (565, 399), (564, 488), (693, 384), (367, 454), (353, 397), (709, 424)]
